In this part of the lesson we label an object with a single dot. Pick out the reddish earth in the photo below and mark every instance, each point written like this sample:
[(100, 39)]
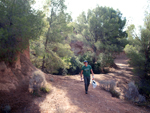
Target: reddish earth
[(67, 95), (14, 80)]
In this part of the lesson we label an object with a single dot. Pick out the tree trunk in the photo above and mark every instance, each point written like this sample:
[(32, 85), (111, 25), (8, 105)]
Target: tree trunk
[(47, 39), (43, 62), (146, 69)]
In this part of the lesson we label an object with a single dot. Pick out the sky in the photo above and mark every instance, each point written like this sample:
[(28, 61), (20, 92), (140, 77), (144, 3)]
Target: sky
[(133, 10)]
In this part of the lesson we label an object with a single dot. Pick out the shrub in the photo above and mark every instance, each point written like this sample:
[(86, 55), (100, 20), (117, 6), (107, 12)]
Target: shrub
[(114, 93), (132, 93), (141, 67), (110, 87), (75, 66), (37, 81), (96, 68), (35, 93), (137, 60), (144, 88), (45, 89), (105, 59), (89, 56)]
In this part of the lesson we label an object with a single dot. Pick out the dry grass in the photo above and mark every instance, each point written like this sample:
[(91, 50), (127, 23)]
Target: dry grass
[(46, 88), (37, 81), (133, 95), (110, 87)]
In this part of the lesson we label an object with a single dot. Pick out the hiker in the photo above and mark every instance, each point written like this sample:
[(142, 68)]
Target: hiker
[(86, 73)]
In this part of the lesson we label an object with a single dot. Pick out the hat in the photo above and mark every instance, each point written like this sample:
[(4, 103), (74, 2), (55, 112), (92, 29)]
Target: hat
[(85, 61)]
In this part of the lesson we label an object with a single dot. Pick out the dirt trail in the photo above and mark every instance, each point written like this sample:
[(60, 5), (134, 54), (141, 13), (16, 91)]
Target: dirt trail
[(68, 94)]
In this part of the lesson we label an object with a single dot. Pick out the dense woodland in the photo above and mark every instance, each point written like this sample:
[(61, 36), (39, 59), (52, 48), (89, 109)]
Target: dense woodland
[(50, 32)]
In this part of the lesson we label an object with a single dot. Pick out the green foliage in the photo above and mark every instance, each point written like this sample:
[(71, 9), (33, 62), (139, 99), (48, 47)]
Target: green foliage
[(89, 56), (55, 47), (105, 60), (18, 23), (102, 28), (45, 89), (131, 32), (137, 60), (144, 88), (101, 31), (54, 59), (138, 50), (75, 66), (52, 51)]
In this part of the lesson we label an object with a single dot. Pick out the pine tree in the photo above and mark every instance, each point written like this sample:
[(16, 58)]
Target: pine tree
[(103, 27), (18, 24), (102, 30), (53, 50)]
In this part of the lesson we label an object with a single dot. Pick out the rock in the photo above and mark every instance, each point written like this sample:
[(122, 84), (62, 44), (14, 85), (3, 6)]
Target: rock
[(51, 79), (77, 47), (6, 109)]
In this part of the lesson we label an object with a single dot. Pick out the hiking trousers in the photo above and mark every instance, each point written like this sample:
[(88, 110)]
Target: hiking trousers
[(86, 82)]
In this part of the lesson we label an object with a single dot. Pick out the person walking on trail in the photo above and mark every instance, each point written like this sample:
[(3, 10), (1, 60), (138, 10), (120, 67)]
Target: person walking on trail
[(86, 73)]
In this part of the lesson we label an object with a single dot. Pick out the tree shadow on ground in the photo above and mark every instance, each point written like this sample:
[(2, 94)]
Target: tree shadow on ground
[(19, 100)]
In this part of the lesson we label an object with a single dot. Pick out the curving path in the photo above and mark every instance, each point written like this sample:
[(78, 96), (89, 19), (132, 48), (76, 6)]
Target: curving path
[(68, 95)]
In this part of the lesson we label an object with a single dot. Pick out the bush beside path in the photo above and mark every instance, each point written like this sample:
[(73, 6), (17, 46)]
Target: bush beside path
[(68, 96)]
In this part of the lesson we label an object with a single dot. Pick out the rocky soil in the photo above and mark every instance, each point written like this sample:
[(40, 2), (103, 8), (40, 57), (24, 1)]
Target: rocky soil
[(68, 96)]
